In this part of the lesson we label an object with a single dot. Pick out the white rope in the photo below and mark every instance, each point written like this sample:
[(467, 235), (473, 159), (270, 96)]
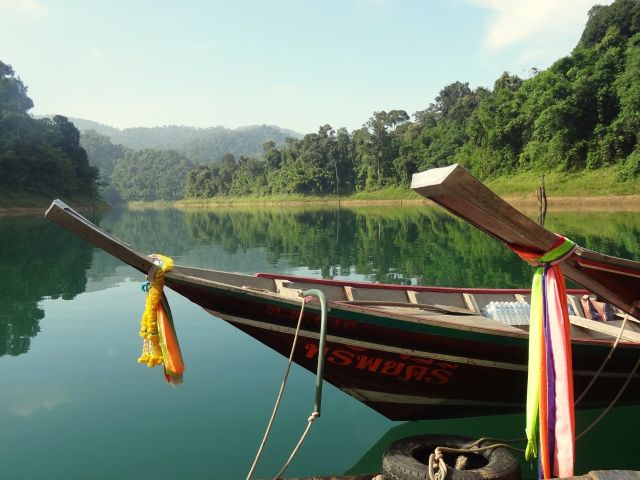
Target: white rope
[(310, 420), (622, 389), (606, 360), (279, 397), (438, 468), (613, 402)]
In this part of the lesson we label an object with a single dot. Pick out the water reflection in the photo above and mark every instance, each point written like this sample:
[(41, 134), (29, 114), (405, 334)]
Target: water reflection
[(216, 418), (407, 245), (590, 453), (39, 260), (393, 245)]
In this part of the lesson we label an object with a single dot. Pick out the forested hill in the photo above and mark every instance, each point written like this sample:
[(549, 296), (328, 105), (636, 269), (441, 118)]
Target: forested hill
[(201, 145), (581, 113), (39, 158)]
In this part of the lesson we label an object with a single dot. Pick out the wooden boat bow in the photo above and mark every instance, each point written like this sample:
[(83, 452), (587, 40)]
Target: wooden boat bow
[(65, 216), (615, 280)]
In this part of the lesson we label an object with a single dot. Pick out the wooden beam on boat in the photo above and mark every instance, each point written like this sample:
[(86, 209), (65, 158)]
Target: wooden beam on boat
[(603, 327), (615, 280), (67, 217)]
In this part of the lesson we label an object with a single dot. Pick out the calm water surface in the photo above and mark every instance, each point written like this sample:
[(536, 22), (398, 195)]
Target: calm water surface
[(74, 404)]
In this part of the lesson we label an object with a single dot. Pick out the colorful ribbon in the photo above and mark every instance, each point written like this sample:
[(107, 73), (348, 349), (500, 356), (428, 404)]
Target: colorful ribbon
[(159, 340), (550, 418)]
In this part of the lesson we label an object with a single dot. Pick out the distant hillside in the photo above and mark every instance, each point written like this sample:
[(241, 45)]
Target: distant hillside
[(200, 145), (83, 125)]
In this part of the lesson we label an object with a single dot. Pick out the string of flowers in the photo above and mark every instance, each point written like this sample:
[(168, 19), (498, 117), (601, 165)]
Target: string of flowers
[(151, 349)]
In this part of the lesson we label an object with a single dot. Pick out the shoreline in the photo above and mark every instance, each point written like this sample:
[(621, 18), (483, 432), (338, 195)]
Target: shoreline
[(529, 202), (17, 211), (522, 202)]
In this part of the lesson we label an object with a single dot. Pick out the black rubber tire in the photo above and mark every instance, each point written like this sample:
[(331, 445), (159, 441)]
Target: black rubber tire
[(407, 458)]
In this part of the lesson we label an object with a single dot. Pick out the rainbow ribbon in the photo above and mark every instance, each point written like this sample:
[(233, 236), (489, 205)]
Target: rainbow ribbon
[(550, 375)]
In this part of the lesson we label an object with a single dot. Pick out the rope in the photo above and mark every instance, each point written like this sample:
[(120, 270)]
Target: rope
[(606, 360), (613, 402), (319, 374), (279, 396), (438, 468), (310, 420), (319, 378)]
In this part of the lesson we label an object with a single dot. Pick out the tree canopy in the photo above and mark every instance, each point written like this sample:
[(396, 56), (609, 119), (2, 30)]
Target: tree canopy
[(39, 155), (583, 112)]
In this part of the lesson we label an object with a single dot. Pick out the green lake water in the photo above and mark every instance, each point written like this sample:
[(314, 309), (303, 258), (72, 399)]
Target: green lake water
[(74, 404)]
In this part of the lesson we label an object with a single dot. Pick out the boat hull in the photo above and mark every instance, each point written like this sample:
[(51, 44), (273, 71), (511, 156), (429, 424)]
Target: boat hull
[(408, 370)]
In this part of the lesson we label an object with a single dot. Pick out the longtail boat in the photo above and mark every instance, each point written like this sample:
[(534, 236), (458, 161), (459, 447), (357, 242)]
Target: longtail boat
[(420, 352)]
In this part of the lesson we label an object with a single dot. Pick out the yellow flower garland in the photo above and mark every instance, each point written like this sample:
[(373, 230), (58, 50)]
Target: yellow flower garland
[(151, 349)]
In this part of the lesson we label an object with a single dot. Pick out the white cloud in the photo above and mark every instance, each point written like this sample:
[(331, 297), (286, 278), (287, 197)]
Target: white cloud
[(31, 8), (539, 20), (24, 401)]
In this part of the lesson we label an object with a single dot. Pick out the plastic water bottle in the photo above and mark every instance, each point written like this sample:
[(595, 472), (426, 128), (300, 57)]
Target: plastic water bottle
[(511, 313)]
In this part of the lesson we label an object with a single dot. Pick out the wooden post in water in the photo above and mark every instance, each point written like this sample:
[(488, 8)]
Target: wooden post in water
[(542, 204)]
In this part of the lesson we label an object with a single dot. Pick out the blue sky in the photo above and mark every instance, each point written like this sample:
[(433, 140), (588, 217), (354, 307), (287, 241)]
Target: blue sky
[(297, 64)]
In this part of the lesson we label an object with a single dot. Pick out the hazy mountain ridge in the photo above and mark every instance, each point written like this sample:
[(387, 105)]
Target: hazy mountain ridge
[(201, 145)]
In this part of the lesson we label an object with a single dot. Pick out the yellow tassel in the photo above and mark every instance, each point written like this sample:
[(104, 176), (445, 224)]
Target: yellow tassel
[(151, 349)]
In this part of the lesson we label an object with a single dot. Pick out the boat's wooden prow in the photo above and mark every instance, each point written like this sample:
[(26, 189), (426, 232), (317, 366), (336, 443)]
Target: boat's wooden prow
[(455, 189), (65, 216), (615, 280)]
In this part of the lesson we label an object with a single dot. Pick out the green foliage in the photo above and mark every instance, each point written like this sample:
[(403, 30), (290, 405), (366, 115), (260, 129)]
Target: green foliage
[(151, 175), (622, 15), (41, 156), (630, 168), (580, 115), (101, 152)]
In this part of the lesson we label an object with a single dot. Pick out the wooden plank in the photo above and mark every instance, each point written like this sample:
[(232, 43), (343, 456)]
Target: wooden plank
[(446, 309), (348, 292), (454, 299), (412, 296), (376, 294), (573, 302), (602, 327), (471, 302), (458, 191), (67, 217)]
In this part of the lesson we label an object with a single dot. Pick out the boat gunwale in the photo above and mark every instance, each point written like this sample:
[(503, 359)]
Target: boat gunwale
[(430, 320), (427, 324)]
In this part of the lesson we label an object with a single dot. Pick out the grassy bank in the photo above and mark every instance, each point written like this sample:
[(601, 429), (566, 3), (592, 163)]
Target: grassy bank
[(385, 194), (31, 202), (587, 187), (588, 183)]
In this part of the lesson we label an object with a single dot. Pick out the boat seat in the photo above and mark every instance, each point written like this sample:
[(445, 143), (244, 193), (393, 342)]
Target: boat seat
[(358, 294), (481, 300), (290, 289), (453, 299)]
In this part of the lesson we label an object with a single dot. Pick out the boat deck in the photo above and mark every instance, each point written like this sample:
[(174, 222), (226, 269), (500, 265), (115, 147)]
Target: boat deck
[(461, 308)]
